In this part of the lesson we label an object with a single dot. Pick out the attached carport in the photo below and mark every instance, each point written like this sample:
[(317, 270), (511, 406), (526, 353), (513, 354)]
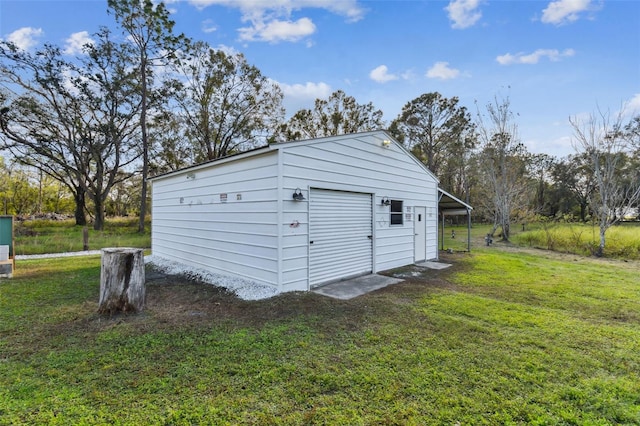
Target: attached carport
[(448, 205)]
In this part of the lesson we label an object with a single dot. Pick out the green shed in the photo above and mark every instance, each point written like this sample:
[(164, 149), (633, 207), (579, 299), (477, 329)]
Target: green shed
[(7, 247)]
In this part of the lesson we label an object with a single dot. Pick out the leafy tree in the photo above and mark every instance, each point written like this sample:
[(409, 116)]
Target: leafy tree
[(227, 105), (54, 195), (540, 168), (438, 131), (124, 197), (170, 145), (24, 195), (337, 115), (608, 149), (632, 132), (571, 177), (109, 92), (73, 122), (24, 191), (150, 30), (455, 173), (502, 165), (38, 115), (5, 185)]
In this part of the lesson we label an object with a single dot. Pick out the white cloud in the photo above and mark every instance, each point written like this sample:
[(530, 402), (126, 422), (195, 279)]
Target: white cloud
[(381, 74), (442, 71), (463, 13), (563, 11), (553, 55), (299, 96), (308, 91), (76, 41), (25, 38), (275, 31), (208, 26), (347, 8), (632, 106), (271, 21), (558, 146), (408, 75), (229, 50), (634, 103)]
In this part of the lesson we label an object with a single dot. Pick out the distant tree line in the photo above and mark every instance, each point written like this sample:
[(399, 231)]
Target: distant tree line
[(83, 134)]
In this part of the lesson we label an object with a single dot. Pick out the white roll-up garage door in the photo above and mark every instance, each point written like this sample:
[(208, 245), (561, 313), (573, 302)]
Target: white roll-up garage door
[(340, 235)]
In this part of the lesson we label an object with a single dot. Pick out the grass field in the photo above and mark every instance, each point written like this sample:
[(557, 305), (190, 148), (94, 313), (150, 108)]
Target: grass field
[(622, 240), (502, 337), (49, 236)]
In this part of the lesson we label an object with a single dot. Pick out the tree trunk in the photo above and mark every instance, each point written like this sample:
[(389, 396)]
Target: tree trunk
[(79, 199), (494, 228), (600, 251), (506, 231), (145, 144), (98, 224), (122, 281)]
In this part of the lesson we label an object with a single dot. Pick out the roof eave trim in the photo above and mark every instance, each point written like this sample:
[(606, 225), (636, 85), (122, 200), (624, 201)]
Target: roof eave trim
[(456, 199)]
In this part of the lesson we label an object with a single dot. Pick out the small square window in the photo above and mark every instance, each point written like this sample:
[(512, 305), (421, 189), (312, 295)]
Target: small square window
[(396, 212)]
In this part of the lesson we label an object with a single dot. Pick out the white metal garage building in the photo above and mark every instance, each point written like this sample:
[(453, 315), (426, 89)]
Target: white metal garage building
[(301, 214)]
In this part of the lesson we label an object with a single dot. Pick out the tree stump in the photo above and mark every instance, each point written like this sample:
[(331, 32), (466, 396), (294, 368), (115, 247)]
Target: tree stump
[(122, 281)]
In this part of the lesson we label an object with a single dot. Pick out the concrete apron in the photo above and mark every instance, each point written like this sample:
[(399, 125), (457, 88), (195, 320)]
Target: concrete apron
[(350, 288), (433, 265), (354, 287)]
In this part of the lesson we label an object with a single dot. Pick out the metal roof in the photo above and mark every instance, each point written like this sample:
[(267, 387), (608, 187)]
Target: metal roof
[(450, 205)]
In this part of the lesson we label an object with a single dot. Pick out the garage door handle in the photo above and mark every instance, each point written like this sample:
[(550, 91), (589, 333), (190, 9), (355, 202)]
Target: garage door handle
[(310, 242), (370, 237)]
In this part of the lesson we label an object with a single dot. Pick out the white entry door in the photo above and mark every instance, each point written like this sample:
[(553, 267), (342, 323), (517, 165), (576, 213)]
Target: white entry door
[(420, 234), (340, 235)]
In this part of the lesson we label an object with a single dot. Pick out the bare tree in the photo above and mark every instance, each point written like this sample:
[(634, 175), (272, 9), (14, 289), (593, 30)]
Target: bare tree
[(502, 164), (608, 148)]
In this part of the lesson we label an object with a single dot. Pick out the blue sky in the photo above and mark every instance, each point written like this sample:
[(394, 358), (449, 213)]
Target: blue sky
[(554, 59)]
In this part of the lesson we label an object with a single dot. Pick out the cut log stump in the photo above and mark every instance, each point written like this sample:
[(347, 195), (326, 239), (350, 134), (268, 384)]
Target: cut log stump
[(122, 281)]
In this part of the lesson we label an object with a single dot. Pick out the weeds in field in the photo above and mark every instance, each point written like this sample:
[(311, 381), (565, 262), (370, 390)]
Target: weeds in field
[(57, 236), (623, 241)]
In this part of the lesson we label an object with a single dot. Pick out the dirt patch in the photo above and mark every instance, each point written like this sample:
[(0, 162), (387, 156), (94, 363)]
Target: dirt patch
[(418, 277), (177, 301)]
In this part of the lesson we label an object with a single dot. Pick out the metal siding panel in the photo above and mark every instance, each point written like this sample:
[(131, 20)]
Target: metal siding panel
[(341, 230), (238, 237), (360, 164)]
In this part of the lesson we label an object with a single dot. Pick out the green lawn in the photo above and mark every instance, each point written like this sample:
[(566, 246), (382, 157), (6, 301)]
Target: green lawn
[(502, 337)]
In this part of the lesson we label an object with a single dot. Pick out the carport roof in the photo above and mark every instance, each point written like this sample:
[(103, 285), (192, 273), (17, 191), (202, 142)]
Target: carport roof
[(450, 205)]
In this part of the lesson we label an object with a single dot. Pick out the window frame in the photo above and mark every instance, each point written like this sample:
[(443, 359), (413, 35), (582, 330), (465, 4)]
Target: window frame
[(396, 217)]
